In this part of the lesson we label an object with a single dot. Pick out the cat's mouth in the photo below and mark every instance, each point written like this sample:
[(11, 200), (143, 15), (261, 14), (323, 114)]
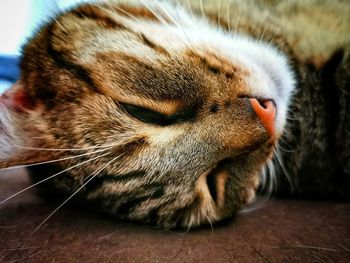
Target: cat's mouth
[(223, 182), (216, 182), (211, 184)]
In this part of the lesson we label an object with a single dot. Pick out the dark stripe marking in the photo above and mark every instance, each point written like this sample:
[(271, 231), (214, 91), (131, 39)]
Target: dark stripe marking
[(77, 70), (153, 45), (105, 178), (131, 203)]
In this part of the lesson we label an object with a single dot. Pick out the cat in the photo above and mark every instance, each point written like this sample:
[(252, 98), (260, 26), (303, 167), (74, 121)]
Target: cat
[(153, 112)]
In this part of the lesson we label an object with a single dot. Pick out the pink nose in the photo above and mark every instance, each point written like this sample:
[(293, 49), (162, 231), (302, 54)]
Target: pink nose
[(266, 111)]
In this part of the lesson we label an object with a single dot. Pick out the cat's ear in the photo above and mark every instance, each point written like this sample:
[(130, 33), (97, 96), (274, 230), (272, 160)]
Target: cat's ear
[(15, 130), (17, 98)]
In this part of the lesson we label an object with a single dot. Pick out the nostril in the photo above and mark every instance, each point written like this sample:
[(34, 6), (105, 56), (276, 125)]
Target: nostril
[(266, 111), (263, 103)]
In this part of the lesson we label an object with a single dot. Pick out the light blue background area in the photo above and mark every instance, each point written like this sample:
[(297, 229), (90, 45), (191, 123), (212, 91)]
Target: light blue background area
[(4, 85)]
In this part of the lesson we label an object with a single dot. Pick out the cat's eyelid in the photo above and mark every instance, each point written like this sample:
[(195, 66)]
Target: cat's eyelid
[(167, 108), (153, 117)]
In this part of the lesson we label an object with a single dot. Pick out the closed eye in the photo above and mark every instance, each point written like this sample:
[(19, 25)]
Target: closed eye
[(146, 115), (153, 117)]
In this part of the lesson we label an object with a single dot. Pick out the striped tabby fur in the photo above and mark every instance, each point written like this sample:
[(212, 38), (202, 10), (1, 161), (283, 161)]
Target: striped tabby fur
[(146, 105)]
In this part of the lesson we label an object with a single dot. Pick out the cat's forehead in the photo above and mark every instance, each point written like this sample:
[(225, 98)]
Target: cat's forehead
[(148, 56), (149, 35)]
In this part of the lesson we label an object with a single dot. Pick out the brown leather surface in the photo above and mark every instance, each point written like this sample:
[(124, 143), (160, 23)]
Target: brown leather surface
[(279, 231)]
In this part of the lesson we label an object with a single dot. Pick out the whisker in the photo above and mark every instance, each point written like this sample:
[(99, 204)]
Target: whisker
[(116, 7), (58, 23), (289, 179), (93, 175), (114, 159), (286, 143), (268, 185), (62, 149), (157, 16), (167, 14), (274, 35), (228, 16), (48, 178), (113, 14), (262, 35), (285, 150), (210, 223), (183, 29), (204, 19), (189, 227), (127, 13), (189, 7), (161, 19), (237, 21), (272, 174), (219, 15), (51, 161)]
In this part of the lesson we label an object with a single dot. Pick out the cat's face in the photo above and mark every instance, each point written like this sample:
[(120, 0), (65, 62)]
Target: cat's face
[(158, 101)]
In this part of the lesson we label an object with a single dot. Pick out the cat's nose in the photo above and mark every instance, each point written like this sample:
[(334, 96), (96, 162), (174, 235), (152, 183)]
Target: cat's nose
[(266, 111)]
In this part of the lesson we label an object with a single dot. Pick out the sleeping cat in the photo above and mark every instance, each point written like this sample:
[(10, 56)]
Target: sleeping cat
[(151, 112)]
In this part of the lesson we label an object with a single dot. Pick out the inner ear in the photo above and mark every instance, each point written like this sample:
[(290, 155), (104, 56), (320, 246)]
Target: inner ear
[(17, 98)]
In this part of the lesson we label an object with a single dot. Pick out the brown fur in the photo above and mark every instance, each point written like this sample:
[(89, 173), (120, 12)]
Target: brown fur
[(151, 173)]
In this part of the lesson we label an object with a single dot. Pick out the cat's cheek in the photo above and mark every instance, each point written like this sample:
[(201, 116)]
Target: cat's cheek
[(17, 99)]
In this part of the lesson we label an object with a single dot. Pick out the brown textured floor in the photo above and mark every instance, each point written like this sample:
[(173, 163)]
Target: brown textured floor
[(281, 231)]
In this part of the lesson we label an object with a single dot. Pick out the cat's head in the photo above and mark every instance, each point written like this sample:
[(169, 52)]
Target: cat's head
[(174, 117)]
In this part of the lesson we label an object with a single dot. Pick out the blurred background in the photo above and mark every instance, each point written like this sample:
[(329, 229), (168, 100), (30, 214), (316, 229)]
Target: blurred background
[(18, 21)]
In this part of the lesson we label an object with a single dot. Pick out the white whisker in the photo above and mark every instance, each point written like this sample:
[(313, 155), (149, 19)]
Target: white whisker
[(267, 185), (114, 159), (237, 21), (289, 179), (116, 7), (58, 23), (204, 19), (262, 35), (161, 19), (167, 14), (287, 144), (62, 149), (274, 35), (285, 150), (114, 14), (183, 29), (189, 8), (52, 161), (209, 221), (92, 176), (48, 178), (219, 15)]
